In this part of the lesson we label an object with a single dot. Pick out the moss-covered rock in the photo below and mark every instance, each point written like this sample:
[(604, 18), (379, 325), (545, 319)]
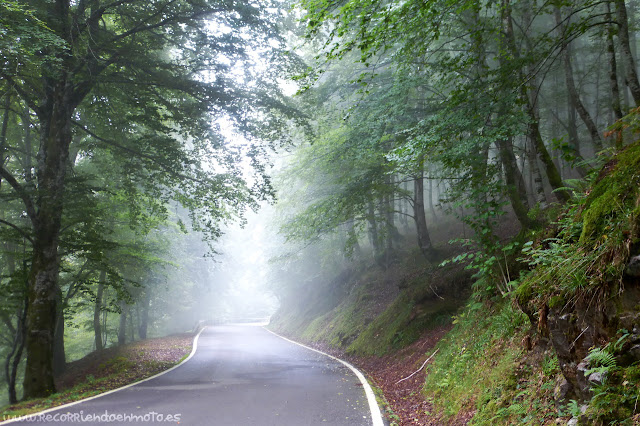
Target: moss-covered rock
[(614, 197)]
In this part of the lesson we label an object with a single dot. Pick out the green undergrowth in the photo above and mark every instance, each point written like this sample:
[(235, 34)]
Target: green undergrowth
[(383, 310), (418, 308), (477, 365), (595, 236), (615, 400)]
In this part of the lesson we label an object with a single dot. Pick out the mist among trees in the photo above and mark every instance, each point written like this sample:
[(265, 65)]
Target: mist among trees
[(133, 135)]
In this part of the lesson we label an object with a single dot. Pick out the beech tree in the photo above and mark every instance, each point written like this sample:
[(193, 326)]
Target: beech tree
[(144, 80)]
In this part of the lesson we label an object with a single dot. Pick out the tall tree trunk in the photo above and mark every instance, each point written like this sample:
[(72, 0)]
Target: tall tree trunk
[(538, 182), (28, 148), (55, 109), (432, 208), (131, 323), (97, 310), (13, 358), (385, 202), (513, 176), (373, 230), (4, 129), (16, 353), (571, 87), (625, 50), (555, 180), (390, 210), (59, 358), (352, 238), (122, 327), (613, 77), (43, 280), (424, 240)]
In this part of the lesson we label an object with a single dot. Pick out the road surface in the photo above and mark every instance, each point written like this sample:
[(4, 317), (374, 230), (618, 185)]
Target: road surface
[(239, 375)]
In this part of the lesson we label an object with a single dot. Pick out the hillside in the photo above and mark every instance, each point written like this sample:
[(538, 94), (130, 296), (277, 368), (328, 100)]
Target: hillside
[(563, 345)]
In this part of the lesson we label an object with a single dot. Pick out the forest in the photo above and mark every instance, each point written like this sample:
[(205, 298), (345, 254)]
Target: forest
[(469, 166)]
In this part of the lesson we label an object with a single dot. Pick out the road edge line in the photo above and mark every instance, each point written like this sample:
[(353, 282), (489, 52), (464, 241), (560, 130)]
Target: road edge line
[(374, 408), (25, 417)]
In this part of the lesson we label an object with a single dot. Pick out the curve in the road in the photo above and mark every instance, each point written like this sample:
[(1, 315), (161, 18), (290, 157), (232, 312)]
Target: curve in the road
[(376, 416), (237, 375)]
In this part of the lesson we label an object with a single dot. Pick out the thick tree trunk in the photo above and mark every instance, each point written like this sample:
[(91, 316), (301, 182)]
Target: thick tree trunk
[(97, 310), (514, 182), (424, 240), (625, 50), (59, 358), (43, 279), (550, 168), (60, 97)]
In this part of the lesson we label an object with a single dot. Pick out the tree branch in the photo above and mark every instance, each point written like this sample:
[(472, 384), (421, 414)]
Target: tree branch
[(24, 95), (28, 204), (20, 230), (137, 153)]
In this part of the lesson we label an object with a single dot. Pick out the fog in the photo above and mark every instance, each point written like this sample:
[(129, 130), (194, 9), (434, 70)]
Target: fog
[(241, 269)]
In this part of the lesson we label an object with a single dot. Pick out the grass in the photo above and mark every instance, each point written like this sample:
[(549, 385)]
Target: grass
[(594, 239), (476, 368), (418, 308)]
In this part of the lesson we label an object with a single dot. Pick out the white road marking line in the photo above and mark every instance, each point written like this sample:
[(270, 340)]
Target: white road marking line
[(376, 417), (59, 407)]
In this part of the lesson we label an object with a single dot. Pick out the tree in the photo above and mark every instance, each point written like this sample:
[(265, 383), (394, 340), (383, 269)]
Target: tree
[(150, 76)]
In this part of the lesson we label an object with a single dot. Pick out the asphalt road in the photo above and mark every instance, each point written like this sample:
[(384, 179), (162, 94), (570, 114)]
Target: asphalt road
[(239, 375)]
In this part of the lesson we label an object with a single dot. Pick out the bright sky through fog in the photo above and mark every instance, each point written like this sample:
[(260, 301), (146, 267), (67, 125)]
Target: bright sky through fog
[(245, 252)]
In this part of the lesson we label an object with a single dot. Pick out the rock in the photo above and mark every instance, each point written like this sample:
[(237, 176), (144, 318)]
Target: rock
[(634, 353), (572, 422), (629, 356), (584, 387), (633, 267), (561, 391), (597, 377)]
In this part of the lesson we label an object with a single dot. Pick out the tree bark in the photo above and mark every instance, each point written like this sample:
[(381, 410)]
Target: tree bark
[(432, 208), (555, 180), (3, 131), (424, 240), (538, 182), (352, 237), (43, 280), (59, 358), (513, 176), (16, 353), (97, 310), (373, 230), (13, 358), (571, 88), (122, 327), (625, 50), (613, 77)]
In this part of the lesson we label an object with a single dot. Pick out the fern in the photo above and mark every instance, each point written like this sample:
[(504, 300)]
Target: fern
[(601, 360), (574, 408)]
